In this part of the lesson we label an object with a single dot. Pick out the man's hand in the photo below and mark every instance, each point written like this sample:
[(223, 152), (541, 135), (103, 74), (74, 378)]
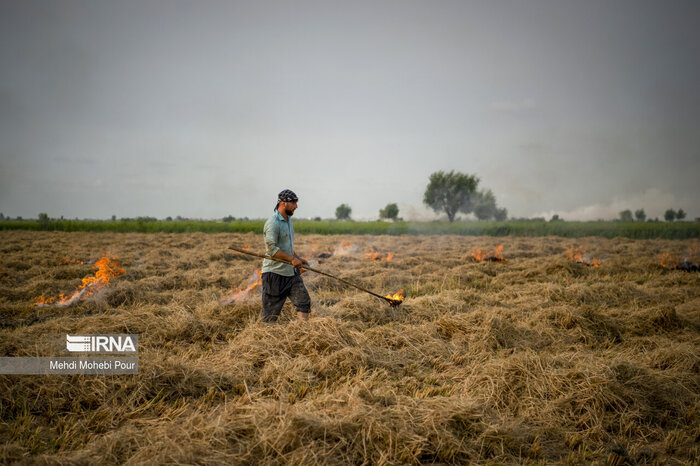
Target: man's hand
[(297, 262), (301, 261)]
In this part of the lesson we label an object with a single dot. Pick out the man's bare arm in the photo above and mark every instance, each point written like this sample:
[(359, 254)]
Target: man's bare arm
[(303, 261), (294, 259)]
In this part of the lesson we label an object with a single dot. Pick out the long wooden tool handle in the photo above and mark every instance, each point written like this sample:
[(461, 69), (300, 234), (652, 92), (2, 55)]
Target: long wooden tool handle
[(306, 267)]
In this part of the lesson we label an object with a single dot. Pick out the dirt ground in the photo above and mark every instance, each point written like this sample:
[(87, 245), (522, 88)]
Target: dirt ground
[(537, 358)]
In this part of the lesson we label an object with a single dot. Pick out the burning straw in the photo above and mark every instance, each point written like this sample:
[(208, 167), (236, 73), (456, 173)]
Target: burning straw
[(107, 269), (537, 365), (577, 255), (495, 256), (375, 255), (254, 281), (688, 262)]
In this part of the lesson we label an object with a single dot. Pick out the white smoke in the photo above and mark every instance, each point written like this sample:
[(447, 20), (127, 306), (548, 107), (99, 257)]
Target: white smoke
[(653, 201), (345, 248)]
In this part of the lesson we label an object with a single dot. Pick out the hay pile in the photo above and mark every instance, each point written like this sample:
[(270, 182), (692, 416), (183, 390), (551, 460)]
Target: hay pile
[(537, 358)]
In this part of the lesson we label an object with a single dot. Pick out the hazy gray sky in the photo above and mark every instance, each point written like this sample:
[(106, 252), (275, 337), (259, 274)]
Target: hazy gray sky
[(205, 109)]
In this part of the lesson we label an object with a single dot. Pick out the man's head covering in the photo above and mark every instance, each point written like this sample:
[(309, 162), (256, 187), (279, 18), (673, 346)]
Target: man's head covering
[(286, 196)]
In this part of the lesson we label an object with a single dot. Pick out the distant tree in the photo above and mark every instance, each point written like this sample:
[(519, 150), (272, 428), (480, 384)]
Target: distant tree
[(626, 216), (342, 212), (484, 205), (168, 218), (2, 217), (680, 215), (640, 215), (19, 217), (501, 214), (670, 215), (228, 219), (451, 193), (555, 218), (317, 219), (114, 218), (44, 220), (391, 212)]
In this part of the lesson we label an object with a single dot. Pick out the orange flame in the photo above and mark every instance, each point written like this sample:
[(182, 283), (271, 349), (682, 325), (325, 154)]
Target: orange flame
[(253, 282), (107, 269), (498, 253), (375, 255), (495, 256), (575, 254), (396, 296), (45, 301), (687, 262), (479, 254), (669, 261)]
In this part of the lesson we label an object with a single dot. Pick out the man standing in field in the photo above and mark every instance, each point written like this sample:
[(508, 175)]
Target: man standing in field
[(279, 280)]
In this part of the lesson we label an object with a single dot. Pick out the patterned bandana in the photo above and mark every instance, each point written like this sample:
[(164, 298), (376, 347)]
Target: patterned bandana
[(287, 196)]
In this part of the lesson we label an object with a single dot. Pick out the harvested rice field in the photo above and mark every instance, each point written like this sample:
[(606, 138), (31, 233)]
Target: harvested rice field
[(547, 350)]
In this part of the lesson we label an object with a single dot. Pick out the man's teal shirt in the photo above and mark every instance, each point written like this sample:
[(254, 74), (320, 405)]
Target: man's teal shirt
[(279, 234)]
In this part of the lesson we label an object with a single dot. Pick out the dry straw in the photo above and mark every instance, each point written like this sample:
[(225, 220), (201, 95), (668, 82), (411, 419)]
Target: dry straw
[(534, 359)]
